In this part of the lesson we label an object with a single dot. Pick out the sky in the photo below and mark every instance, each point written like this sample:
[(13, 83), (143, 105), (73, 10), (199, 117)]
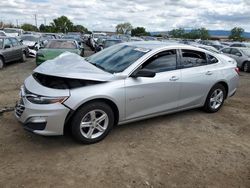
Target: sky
[(154, 15)]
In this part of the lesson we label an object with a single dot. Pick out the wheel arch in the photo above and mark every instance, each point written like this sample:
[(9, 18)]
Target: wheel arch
[(242, 65), (224, 84), (109, 102)]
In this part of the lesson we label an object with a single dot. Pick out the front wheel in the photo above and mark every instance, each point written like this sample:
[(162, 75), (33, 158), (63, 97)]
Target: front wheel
[(1, 63), (215, 98), (92, 122)]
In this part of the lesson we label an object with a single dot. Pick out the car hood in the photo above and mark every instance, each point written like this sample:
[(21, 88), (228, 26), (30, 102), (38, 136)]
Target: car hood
[(70, 65)]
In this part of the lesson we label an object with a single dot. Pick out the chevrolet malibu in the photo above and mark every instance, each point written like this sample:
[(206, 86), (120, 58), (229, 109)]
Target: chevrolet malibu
[(121, 84)]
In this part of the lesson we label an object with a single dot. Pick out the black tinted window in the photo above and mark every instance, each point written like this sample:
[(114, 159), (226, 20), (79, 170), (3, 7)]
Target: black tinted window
[(238, 45), (226, 50), (164, 61), (191, 58)]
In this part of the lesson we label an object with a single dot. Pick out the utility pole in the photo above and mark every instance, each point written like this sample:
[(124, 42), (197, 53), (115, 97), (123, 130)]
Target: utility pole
[(16, 22), (44, 21), (35, 20)]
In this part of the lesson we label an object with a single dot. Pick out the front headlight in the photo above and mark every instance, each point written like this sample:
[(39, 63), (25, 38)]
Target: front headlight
[(36, 99)]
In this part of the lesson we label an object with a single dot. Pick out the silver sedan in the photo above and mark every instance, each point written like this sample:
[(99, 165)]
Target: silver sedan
[(121, 84)]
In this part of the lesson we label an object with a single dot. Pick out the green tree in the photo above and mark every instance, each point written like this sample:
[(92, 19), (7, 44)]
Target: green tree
[(80, 28), (29, 27), (177, 33), (124, 28), (237, 34), (139, 31), (62, 24)]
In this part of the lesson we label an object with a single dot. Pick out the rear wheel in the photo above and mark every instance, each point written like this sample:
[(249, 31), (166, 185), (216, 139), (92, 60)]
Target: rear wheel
[(215, 98), (1, 63), (92, 122), (246, 67)]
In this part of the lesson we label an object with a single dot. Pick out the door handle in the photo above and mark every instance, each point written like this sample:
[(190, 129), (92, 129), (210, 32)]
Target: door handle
[(174, 78), (209, 73)]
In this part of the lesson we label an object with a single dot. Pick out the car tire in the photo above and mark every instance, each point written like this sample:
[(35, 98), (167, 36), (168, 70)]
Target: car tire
[(215, 99), (24, 57), (246, 67), (1, 63), (92, 122)]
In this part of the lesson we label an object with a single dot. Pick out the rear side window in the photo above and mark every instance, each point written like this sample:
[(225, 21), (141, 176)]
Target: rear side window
[(191, 58), (14, 42), (211, 59), (226, 50), (235, 52), (161, 62)]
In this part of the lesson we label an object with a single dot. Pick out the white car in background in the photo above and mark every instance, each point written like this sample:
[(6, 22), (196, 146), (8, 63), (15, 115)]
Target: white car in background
[(13, 32)]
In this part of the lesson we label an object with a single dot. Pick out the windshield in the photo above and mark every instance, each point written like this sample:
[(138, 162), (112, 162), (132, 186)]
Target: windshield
[(11, 31), (116, 58), (29, 38), (1, 43), (246, 52), (61, 44), (109, 43)]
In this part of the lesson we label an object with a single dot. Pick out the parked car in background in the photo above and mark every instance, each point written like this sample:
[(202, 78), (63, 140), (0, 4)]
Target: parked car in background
[(56, 47), (206, 47), (2, 33), (121, 84), (13, 32), (75, 37), (107, 43), (240, 44), (34, 43), (241, 56), (215, 44), (11, 50)]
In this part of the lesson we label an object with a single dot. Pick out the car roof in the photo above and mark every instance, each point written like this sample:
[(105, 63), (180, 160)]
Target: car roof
[(155, 44)]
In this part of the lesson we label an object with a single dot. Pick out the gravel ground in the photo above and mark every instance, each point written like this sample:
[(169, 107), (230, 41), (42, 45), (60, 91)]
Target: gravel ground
[(187, 149)]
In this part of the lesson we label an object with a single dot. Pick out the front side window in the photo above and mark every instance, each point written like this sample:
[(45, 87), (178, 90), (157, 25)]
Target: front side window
[(164, 61), (7, 42), (191, 58), (235, 52), (117, 58)]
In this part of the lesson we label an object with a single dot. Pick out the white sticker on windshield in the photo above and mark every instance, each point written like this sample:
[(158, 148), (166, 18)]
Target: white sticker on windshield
[(142, 50)]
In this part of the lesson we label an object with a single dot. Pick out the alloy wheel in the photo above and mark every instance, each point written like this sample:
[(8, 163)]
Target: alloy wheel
[(245, 68), (94, 124), (216, 99)]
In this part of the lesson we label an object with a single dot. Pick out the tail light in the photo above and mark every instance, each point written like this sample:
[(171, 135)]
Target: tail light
[(237, 70)]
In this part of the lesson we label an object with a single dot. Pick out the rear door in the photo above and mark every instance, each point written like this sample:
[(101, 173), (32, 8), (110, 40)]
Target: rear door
[(147, 96), (7, 52), (17, 49), (198, 77)]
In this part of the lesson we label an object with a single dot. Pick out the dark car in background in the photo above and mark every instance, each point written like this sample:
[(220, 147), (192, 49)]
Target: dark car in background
[(11, 50), (240, 44)]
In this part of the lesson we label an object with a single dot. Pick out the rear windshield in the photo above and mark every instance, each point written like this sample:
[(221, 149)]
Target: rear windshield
[(30, 37), (61, 44)]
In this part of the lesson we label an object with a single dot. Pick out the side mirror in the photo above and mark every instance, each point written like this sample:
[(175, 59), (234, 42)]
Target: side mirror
[(6, 46), (143, 73)]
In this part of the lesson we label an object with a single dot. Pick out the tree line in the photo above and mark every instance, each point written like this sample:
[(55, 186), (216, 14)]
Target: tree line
[(63, 24)]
